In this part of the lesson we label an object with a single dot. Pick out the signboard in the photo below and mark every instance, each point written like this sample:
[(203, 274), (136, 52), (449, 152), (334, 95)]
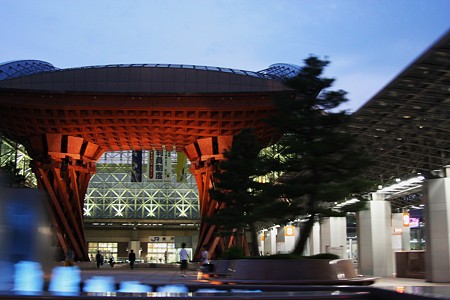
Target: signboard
[(396, 242), (161, 239), (406, 219), (289, 230), (414, 222), (160, 165)]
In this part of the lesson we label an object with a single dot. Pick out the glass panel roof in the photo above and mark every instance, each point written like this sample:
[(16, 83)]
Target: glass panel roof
[(20, 68), (27, 67)]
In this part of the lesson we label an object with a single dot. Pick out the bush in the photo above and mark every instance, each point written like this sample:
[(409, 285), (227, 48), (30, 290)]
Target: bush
[(233, 253), (238, 253), (290, 256), (325, 256), (276, 256)]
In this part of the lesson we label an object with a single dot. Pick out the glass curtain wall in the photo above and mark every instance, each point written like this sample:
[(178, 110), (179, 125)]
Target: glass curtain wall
[(114, 192)]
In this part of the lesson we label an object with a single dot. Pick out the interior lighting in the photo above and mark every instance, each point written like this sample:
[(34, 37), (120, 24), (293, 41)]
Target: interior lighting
[(403, 186), (354, 200), (347, 202), (416, 207)]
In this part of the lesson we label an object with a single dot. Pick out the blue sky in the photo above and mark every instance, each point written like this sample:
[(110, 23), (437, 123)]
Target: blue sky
[(368, 42)]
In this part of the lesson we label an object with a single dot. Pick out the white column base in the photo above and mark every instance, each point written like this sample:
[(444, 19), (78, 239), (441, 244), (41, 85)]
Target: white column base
[(437, 228), (374, 240)]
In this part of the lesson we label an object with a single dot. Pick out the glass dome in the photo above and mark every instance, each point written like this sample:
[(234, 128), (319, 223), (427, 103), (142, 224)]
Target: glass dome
[(280, 71), (19, 68)]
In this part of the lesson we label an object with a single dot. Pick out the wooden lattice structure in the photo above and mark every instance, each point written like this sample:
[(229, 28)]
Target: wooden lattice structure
[(65, 133)]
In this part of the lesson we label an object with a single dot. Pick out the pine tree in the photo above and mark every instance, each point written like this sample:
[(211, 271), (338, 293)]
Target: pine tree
[(245, 204), (321, 161)]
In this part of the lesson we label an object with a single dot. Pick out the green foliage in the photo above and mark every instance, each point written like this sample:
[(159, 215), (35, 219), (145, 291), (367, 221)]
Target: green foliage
[(233, 253), (287, 256), (324, 256), (243, 199), (321, 162), (292, 256), (316, 164)]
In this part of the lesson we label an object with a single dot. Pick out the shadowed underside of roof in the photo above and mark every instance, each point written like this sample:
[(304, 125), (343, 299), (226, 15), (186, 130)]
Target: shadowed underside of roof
[(406, 126)]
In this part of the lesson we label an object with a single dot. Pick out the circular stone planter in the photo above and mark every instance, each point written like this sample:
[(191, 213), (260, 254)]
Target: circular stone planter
[(291, 271)]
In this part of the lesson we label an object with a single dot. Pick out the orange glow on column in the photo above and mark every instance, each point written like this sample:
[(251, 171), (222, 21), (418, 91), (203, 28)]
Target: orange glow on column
[(405, 219), (289, 230)]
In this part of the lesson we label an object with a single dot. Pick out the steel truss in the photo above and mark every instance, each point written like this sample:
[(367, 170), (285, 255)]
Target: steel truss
[(14, 152), (112, 195)]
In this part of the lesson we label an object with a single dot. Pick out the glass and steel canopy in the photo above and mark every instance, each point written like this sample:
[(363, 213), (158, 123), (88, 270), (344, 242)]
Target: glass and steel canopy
[(19, 68)]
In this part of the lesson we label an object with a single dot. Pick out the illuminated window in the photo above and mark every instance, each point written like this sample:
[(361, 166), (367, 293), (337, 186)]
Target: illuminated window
[(106, 249)]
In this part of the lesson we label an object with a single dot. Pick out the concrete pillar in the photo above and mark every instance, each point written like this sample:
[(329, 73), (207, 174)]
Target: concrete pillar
[(136, 247), (270, 241), (333, 236), (401, 234), (261, 240), (273, 240), (285, 239), (289, 238), (374, 238), (314, 240), (280, 246), (436, 193)]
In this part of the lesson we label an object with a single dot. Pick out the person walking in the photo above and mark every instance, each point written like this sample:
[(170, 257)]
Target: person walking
[(70, 257), (184, 257), (98, 259), (131, 258), (204, 260), (111, 261)]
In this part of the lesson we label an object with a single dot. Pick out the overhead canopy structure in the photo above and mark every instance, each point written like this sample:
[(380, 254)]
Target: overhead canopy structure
[(406, 126)]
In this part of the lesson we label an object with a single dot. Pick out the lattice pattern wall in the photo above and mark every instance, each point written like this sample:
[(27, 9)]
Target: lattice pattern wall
[(13, 152), (112, 195)]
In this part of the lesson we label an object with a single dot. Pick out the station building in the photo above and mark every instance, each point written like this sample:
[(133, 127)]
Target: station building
[(147, 195)]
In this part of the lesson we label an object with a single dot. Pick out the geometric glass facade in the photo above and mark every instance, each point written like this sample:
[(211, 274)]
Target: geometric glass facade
[(114, 194), (15, 153), (19, 68)]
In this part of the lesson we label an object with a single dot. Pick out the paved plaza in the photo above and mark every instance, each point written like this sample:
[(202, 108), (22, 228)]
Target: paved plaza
[(171, 276)]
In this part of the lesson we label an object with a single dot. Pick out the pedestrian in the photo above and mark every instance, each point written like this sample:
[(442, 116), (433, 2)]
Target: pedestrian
[(98, 258), (131, 258), (111, 261), (70, 257), (204, 260), (183, 259)]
